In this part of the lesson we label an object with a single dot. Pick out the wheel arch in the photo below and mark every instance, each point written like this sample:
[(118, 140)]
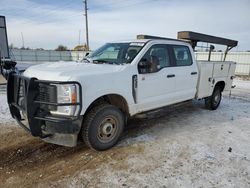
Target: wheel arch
[(221, 84), (113, 99)]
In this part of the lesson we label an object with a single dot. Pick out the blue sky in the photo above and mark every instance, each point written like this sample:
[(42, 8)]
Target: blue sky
[(47, 23)]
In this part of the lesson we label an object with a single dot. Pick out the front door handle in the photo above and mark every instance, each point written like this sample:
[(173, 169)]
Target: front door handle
[(193, 73), (170, 75)]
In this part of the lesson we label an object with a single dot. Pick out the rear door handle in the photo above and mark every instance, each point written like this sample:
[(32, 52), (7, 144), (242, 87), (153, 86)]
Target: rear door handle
[(170, 75), (193, 73)]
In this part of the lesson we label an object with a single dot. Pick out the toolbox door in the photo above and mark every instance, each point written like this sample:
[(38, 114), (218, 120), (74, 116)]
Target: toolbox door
[(221, 69), (205, 86)]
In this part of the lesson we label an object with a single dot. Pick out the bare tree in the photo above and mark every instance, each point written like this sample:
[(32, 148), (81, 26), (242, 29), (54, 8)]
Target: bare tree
[(61, 48)]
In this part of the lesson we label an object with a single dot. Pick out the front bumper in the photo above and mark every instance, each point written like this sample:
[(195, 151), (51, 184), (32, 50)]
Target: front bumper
[(32, 112)]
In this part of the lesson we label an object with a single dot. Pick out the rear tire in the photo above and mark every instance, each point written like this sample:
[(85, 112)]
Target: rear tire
[(213, 102), (102, 127)]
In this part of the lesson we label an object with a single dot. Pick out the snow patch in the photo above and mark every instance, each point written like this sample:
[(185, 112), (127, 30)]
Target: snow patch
[(202, 151), (5, 116), (242, 84), (136, 140)]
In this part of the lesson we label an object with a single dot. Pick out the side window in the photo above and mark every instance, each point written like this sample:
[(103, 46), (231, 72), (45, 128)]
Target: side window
[(157, 57), (182, 56)]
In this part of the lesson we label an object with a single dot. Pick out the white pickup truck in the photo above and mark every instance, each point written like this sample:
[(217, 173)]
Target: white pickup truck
[(92, 99)]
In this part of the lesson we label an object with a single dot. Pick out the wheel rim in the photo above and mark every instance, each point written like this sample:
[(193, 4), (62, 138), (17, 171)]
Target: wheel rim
[(107, 129), (217, 98)]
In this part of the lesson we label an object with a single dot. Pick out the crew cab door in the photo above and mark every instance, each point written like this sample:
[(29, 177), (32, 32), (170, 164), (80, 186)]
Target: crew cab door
[(156, 85), (186, 72)]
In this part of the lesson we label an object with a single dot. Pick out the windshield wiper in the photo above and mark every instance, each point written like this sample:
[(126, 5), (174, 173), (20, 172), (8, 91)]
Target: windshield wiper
[(103, 61)]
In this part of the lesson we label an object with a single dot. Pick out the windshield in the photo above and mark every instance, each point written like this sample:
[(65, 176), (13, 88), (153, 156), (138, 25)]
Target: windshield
[(116, 53)]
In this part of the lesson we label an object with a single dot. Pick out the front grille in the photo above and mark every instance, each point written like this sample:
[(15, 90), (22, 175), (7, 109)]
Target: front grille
[(47, 93)]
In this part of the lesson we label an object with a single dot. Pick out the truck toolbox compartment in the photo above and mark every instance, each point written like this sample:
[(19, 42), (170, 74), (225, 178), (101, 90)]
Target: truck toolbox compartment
[(210, 71)]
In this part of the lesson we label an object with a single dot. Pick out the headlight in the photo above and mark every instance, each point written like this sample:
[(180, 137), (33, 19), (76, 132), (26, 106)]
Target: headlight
[(66, 93)]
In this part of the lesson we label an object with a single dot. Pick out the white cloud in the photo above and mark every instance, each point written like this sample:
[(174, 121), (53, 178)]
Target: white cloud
[(45, 26)]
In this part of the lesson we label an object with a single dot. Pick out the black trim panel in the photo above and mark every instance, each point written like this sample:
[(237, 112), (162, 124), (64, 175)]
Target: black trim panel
[(171, 76), (134, 87), (7, 56)]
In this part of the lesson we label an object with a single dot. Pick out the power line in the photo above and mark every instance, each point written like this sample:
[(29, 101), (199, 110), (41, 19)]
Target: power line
[(40, 12), (86, 16), (110, 5), (45, 13)]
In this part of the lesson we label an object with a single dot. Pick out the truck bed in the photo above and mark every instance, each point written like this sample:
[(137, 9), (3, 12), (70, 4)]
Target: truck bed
[(210, 72)]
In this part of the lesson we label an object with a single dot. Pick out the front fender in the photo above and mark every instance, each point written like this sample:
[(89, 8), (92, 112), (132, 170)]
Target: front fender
[(89, 98)]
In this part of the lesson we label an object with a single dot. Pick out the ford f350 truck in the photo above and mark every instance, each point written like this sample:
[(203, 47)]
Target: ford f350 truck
[(92, 99)]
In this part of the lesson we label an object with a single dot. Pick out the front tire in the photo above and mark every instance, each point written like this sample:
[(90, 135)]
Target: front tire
[(102, 127), (213, 102)]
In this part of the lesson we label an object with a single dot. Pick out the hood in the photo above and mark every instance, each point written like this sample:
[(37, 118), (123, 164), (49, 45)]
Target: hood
[(64, 71)]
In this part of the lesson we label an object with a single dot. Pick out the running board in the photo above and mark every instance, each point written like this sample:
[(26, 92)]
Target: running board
[(159, 111)]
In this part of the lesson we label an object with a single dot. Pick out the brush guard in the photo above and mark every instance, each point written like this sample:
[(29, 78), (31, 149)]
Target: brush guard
[(24, 101)]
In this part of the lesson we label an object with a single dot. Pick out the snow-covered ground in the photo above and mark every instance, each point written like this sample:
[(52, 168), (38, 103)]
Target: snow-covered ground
[(242, 89), (186, 146), (4, 109)]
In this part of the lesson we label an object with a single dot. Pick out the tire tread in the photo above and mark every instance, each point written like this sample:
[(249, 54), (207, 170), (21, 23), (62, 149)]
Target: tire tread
[(88, 122), (209, 100)]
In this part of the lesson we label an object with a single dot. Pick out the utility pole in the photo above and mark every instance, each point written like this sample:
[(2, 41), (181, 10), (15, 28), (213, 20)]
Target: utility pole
[(22, 39), (79, 43), (79, 39), (86, 22)]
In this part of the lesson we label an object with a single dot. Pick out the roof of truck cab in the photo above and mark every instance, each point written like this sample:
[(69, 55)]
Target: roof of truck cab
[(130, 41), (152, 40)]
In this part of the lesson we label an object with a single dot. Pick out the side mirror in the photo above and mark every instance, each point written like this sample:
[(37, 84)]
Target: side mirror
[(8, 65), (144, 66)]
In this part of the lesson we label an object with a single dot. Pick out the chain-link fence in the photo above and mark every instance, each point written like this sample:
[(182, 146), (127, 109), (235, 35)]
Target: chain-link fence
[(45, 55), (241, 58)]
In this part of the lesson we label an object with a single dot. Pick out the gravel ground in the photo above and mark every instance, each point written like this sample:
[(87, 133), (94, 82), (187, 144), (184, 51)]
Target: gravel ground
[(186, 146)]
